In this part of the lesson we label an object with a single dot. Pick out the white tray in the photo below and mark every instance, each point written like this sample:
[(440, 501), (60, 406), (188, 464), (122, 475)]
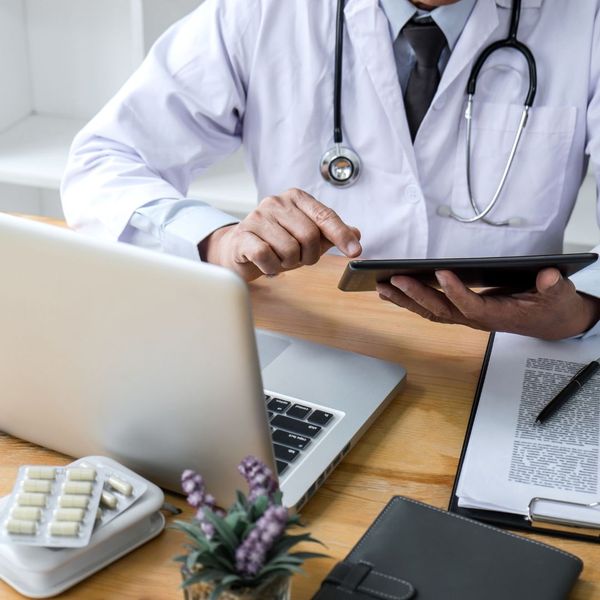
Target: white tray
[(41, 572)]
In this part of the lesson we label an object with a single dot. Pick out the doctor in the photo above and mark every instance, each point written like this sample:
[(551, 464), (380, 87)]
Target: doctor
[(261, 73)]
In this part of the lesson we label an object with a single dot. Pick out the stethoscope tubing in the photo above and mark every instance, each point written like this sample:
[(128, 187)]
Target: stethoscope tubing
[(511, 42), (339, 152)]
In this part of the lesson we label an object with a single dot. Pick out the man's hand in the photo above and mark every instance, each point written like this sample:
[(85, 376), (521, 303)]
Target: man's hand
[(283, 232), (555, 310)]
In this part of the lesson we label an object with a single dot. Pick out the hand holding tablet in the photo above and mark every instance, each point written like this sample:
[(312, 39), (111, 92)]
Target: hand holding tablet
[(527, 295)]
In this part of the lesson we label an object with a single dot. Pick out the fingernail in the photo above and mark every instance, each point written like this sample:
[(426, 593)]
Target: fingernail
[(398, 283), (441, 277), (354, 248), (557, 277), (383, 293)]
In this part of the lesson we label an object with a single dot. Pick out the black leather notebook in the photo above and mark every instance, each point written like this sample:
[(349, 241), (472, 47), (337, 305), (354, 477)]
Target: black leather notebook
[(413, 550)]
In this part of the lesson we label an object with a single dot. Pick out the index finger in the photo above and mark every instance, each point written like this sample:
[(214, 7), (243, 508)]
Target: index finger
[(329, 223)]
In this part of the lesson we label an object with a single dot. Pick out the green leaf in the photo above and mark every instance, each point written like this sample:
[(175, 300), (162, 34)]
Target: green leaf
[(260, 505), (241, 499), (229, 579), (232, 520), (194, 532), (276, 569), (277, 497), (223, 530), (288, 541), (212, 561), (192, 559)]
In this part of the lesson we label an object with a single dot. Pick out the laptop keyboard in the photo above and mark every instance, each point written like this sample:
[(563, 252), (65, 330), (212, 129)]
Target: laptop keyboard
[(293, 428)]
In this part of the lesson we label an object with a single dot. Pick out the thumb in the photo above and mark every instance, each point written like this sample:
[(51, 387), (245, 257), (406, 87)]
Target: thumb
[(549, 280)]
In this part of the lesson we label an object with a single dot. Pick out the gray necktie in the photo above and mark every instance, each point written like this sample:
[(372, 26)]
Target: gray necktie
[(427, 41)]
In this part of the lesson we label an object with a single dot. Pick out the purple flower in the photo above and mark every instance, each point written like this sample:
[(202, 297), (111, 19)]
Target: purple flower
[(259, 477), (251, 554), (193, 485)]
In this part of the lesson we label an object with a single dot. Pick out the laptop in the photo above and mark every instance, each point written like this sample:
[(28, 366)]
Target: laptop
[(107, 349)]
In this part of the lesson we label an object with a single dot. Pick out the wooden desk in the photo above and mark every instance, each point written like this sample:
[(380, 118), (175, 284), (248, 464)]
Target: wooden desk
[(412, 449)]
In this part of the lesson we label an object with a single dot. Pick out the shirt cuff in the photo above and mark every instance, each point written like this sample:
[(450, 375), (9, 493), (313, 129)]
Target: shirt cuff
[(174, 226), (182, 234), (587, 281)]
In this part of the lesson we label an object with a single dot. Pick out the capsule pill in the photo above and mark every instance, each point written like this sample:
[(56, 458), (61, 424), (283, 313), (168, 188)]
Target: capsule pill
[(41, 473), (21, 527), (81, 474), (73, 501), (31, 499), (69, 514), (37, 485), (121, 486), (78, 487), (66, 528), (26, 513), (109, 500)]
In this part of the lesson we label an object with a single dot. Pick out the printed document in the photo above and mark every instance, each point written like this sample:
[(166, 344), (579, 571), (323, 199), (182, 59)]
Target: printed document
[(510, 459)]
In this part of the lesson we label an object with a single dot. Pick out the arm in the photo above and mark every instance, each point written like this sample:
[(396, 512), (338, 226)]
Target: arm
[(130, 168)]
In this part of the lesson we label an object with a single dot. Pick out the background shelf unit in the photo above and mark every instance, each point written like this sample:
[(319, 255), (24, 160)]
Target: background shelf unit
[(61, 60)]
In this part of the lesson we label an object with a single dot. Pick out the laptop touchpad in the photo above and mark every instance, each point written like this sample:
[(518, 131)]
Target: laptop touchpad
[(270, 346)]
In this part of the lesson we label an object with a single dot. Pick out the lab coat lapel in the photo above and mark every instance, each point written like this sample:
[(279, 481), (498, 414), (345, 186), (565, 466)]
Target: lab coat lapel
[(369, 33), (476, 34)]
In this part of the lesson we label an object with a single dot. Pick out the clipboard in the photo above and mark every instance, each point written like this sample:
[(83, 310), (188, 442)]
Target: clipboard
[(537, 522)]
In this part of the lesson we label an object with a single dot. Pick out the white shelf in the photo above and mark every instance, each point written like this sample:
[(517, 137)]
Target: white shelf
[(34, 151)]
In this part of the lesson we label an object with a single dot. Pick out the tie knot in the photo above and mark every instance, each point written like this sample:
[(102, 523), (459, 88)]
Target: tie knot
[(427, 40)]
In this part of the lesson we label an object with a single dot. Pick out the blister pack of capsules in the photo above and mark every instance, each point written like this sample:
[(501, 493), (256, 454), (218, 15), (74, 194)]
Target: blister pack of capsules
[(121, 489), (62, 506), (52, 506)]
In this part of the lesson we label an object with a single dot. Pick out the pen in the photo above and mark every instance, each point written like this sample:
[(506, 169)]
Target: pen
[(578, 381)]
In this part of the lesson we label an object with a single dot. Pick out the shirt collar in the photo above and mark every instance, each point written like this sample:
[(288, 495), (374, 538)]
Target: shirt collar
[(450, 18)]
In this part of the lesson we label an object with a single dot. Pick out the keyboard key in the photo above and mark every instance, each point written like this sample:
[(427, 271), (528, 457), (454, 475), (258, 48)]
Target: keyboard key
[(267, 398), (298, 411), (281, 467), (320, 417), (290, 439), (283, 453), (277, 405), (307, 429), (271, 415)]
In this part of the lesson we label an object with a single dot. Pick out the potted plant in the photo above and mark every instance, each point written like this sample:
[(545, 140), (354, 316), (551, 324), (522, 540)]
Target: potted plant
[(243, 553)]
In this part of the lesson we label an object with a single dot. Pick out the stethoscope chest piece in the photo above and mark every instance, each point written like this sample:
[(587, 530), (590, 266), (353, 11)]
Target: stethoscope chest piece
[(340, 166)]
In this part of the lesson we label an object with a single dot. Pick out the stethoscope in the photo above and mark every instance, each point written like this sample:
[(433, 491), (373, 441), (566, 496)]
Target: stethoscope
[(341, 165)]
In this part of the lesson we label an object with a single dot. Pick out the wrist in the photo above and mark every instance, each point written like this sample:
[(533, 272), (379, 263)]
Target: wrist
[(210, 247), (591, 311)]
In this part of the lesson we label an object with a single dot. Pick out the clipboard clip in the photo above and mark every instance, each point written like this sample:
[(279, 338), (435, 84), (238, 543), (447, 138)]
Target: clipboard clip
[(563, 515)]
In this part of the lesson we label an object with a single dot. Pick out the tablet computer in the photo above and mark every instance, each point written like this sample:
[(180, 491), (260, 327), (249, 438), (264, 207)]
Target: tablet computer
[(516, 273)]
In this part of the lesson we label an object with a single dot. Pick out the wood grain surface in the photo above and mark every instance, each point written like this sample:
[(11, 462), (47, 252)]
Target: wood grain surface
[(412, 449)]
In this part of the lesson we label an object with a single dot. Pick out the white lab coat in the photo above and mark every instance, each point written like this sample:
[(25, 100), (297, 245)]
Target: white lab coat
[(260, 72)]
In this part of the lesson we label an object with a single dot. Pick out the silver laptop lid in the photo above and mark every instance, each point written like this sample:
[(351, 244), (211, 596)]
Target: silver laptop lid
[(108, 349)]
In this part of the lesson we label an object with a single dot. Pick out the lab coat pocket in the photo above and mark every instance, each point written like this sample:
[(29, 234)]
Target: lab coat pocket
[(535, 182)]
